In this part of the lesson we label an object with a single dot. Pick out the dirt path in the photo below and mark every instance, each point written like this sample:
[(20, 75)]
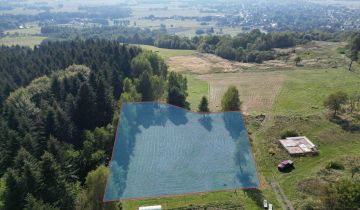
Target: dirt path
[(281, 196)]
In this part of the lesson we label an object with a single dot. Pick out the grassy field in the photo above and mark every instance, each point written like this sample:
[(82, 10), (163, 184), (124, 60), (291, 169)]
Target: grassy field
[(257, 90), (304, 91), (33, 30), (299, 106), (167, 53), (197, 89), (243, 200), (29, 41)]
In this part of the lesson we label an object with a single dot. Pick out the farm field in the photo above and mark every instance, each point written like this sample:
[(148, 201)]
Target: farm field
[(257, 90), (32, 30), (168, 53), (28, 41)]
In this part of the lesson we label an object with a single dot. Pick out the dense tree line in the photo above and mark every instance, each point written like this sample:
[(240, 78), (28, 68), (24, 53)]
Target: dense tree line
[(129, 35), (58, 122), (251, 47), (20, 65)]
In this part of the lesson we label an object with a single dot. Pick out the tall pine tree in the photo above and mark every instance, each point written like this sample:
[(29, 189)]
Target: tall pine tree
[(85, 108), (104, 103)]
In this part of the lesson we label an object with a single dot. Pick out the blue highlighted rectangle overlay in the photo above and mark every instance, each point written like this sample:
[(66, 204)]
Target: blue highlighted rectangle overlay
[(164, 150)]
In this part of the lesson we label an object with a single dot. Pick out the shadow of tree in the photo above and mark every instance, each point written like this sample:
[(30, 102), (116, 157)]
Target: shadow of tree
[(345, 124), (255, 195), (206, 122)]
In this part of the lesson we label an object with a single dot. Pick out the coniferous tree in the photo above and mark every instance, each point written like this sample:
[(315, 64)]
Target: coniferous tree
[(104, 103), (93, 80), (51, 123), (85, 108), (56, 89), (203, 106), (177, 90), (13, 195), (231, 100), (53, 183), (145, 88), (158, 87), (36, 204)]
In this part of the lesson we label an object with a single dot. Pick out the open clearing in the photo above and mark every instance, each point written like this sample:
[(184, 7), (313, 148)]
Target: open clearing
[(167, 53), (257, 90), (202, 63), (28, 41)]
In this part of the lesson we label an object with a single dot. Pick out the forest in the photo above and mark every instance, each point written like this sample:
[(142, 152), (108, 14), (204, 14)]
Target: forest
[(59, 112), (252, 47)]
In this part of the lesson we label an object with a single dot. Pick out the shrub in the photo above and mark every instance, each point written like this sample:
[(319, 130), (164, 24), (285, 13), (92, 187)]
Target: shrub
[(289, 133), (335, 165)]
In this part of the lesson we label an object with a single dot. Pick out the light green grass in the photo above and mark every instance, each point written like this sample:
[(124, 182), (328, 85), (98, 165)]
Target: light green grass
[(299, 106), (34, 30), (29, 41), (167, 53), (333, 143), (201, 199), (196, 90), (304, 91)]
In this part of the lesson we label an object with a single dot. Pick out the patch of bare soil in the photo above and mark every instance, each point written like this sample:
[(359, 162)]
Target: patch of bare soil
[(202, 63)]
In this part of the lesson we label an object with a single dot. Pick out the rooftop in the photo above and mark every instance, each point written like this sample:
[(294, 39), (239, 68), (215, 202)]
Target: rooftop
[(298, 145)]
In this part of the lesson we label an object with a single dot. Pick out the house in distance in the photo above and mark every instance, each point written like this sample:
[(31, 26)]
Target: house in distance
[(300, 145)]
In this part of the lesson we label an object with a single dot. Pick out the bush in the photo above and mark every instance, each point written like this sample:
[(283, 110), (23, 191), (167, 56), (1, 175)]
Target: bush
[(335, 165), (289, 133)]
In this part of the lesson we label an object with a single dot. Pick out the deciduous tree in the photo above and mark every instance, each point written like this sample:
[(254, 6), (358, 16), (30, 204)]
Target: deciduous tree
[(335, 101)]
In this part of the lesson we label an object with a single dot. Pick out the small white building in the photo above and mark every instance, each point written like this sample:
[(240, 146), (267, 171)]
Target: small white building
[(298, 145), (150, 208)]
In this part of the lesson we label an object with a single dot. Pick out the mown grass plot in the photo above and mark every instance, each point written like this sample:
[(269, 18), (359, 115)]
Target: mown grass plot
[(165, 150)]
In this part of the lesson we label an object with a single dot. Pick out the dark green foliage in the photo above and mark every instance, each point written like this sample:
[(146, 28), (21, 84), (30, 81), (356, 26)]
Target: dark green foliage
[(51, 123), (177, 90), (231, 100), (344, 194), (140, 65), (56, 88), (355, 46), (335, 165), (174, 42), (53, 187), (13, 191), (35, 204), (52, 130), (85, 108), (20, 65), (104, 103), (145, 88), (203, 106)]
